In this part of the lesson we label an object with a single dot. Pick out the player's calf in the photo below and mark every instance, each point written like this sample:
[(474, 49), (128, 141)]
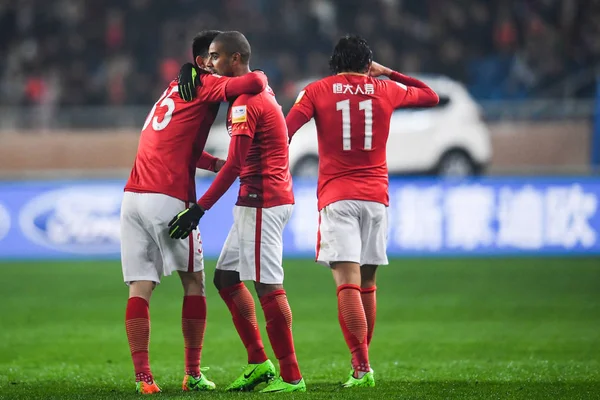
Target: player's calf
[(240, 302), (351, 315), (368, 294), (353, 322), (193, 320), (279, 328), (137, 324)]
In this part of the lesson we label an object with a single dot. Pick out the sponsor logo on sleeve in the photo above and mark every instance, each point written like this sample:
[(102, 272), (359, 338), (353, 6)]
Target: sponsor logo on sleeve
[(238, 114), (403, 86), (300, 95)]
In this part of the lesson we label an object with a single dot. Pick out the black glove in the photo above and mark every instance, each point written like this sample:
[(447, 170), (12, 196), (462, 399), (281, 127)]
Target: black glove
[(187, 81), (185, 222)]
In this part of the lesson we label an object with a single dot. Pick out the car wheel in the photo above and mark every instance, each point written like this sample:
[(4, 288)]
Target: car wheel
[(456, 164), (306, 167)]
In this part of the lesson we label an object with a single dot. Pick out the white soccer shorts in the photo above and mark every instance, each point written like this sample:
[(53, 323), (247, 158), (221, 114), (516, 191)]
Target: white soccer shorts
[(254, 245), (353, 231), (147, 251)]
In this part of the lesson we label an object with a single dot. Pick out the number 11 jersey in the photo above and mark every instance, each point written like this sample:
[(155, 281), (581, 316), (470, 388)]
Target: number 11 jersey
[(352, 113)]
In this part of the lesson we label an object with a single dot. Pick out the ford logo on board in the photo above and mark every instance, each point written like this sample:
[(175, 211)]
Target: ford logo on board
[(79, 219), (4, 222)]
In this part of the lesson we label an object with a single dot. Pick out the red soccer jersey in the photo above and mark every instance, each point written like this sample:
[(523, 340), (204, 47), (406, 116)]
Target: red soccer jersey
[(265, 179), (173, 138), (352, 113)]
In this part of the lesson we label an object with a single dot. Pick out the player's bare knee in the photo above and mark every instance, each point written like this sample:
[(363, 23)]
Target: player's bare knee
[(141, 289), (367, 276), (263, 289), (217, 280), (193, 283), (346, 273), (367, 283), (225, 279)]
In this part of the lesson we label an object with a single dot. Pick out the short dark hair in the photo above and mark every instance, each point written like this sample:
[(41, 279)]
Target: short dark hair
[(235, 42), (202, 42), (351, 54)]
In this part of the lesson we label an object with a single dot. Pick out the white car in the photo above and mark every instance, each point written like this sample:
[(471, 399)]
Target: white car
[(449, 140)]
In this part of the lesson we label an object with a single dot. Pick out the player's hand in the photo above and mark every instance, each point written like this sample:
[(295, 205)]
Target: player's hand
[(185, 222), (187, 81), (219, 164), (378, 70)]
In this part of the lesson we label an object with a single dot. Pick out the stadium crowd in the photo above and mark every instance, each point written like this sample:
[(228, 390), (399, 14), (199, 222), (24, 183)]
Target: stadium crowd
[(86, 52)]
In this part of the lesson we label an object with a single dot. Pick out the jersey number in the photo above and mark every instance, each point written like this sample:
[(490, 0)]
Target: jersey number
[(164, 101), (367, 107)]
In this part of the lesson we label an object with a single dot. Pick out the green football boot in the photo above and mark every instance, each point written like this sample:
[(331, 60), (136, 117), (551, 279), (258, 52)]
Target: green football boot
[(368, 380), (197, 384), (280, 386), (253, 375)]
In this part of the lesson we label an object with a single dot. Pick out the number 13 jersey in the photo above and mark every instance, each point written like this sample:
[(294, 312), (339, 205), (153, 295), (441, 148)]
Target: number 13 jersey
[(352, 113), (173, 138)]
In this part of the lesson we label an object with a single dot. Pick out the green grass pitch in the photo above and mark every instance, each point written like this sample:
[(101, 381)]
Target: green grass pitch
[(446, 329)]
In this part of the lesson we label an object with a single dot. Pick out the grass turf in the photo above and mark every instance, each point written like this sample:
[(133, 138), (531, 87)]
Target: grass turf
[(461, 329)]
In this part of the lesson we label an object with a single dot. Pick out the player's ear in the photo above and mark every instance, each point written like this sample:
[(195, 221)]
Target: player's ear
[(368, 72), (236, 58)]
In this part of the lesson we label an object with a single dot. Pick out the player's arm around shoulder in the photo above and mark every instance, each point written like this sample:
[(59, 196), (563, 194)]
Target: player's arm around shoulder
[(216, 88), (211, 88), (251, 83)]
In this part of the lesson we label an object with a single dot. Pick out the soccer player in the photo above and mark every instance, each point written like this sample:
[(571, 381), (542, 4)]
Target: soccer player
[(253, 250), (352, 111), (160, 184)]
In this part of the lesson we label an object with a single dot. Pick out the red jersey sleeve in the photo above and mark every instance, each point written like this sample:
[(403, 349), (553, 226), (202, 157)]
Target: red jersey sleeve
[(206, 161), (304, 103), (212, 89), (294, 121), (216, 88), (251, 83), (405, 91), (302, 111), (245, 112), (238, 150)]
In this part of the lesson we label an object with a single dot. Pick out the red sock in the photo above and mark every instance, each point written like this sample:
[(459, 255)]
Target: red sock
[(279, 328), (354, 325), (137, 323), (193, 325), (369, 300), (241, 305)]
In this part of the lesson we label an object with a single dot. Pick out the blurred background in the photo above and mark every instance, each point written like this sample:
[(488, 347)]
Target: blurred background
[(492, 193), (74, 69), (518, 82)]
